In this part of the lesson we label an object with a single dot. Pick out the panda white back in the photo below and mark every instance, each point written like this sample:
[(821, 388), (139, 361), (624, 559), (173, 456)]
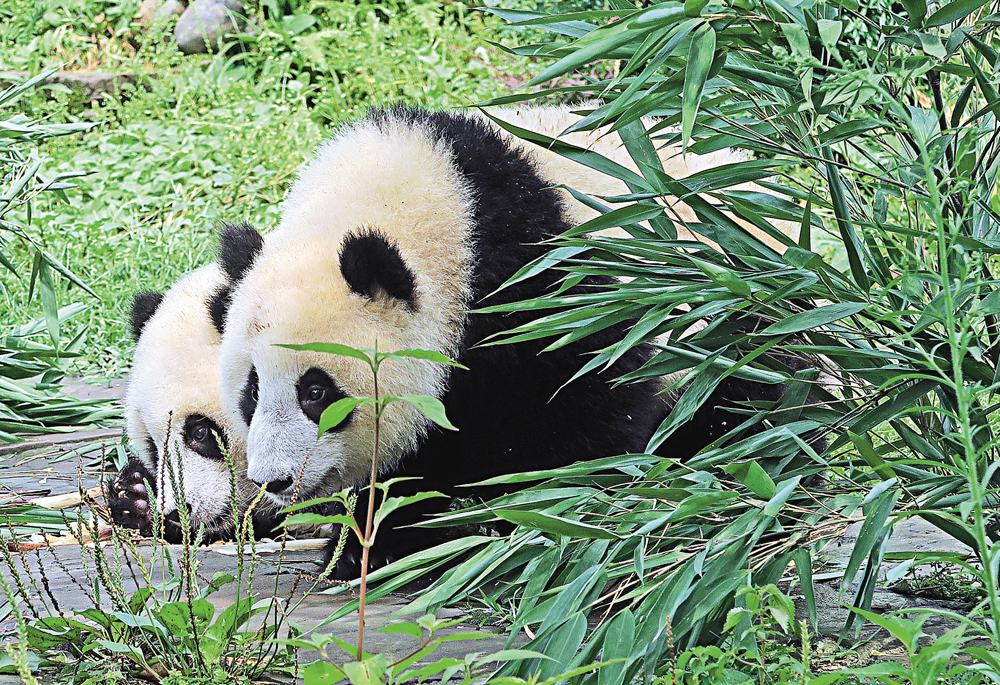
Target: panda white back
[(560, 170)]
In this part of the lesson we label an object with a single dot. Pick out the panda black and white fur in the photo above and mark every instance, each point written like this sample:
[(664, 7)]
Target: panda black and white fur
[(174, 389), (404, 222), (202, 476)]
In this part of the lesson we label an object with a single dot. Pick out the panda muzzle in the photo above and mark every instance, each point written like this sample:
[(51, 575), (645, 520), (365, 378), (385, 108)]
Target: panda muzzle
[(277, 486)]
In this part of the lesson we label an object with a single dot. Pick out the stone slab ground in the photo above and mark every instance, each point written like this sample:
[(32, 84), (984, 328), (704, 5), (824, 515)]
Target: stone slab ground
[(67, 569)]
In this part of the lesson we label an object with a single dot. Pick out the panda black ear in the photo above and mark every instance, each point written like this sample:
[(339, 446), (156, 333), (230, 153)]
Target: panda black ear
[(144, 305), (239, 245), (218, 307), (372, 266)]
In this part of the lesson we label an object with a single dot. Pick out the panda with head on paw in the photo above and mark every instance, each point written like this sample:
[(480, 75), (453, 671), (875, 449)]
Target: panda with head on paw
[(240, 246), (173, 407), (404, 222)]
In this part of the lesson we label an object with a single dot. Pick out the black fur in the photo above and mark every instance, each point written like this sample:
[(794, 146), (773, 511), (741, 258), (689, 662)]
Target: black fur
[(371, 264), (144, 305), (130, 503), (318, 382), (248, 396), (239, 245), (218, 306), (506, 406), (200, 433)]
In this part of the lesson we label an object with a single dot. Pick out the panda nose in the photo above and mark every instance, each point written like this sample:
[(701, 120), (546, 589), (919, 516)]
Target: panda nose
[(276, 486)]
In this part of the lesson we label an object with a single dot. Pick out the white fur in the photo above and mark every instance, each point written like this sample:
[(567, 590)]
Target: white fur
[(175, 374), (406, 186)]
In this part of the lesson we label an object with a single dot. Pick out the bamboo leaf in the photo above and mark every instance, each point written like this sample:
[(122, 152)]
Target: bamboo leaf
[(700, 56), (429, 355), (432, 408), (50, 307), (815, 318), (556, 525), (754, 477), (331, 348), (334, 415), (953, 12)]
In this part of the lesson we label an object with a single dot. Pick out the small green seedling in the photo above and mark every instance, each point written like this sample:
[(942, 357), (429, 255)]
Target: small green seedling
[(431, 407)]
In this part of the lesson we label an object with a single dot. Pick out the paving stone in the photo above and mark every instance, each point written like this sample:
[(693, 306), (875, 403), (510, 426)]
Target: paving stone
[(56, 463), (66, 573), (912, 535), (113, 389)]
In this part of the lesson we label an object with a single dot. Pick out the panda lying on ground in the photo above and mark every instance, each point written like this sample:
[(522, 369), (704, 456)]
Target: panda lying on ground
[(175, 362), (173, 398), (204, 472), (403, 223)]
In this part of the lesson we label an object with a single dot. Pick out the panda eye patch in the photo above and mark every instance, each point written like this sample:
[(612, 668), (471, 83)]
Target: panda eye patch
[(248, 397), (199, 435), (317, 391)]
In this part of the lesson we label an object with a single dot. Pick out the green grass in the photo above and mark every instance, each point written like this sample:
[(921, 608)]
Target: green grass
[(209, 138)]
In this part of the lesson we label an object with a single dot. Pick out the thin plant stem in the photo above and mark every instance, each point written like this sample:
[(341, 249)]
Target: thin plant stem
[(371, 514)]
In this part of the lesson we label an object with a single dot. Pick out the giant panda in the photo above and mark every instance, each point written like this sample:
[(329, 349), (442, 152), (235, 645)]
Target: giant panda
[(197, 383), (402, 223), (173, 398)]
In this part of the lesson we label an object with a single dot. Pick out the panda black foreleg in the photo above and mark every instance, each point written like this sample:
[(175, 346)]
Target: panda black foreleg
[(128, 498), (394, 538)]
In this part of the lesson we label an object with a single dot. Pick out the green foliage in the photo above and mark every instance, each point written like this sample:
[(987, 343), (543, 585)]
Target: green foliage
[(941, 582), (30, 373), (150, 614), (887, 150), (35, 406), (935, 662), (169, 157), (350, 55), (376, 669)]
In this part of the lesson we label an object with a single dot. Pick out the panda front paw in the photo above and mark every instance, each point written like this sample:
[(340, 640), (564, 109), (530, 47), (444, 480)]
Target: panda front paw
[(348, 566), (129, 500)]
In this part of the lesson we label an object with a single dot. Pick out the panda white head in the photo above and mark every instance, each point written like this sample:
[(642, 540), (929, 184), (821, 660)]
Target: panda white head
[(173, 405), (373, 248)]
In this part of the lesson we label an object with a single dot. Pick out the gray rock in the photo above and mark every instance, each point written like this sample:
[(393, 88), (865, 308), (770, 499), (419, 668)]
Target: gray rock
[(157, 11), (208, 23)]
